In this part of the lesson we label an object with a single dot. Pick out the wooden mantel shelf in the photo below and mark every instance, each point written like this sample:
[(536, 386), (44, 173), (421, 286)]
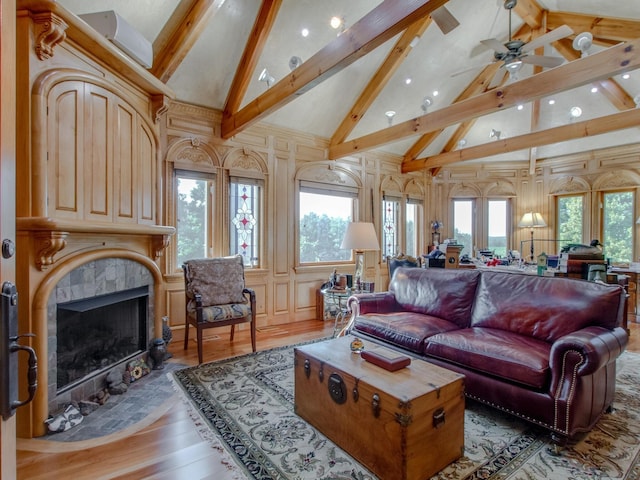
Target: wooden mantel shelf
[(77, 30), (51, 235)]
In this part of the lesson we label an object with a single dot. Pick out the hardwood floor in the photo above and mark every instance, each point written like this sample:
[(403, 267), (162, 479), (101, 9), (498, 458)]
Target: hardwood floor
[(169, 447)]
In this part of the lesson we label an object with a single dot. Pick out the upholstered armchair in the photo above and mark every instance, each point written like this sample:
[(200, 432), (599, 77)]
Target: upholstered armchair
[(401, 260), (216, 296)]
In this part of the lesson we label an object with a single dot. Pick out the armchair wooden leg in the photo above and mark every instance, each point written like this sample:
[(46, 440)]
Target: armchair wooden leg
[(253, 335), (233, 330), (199, 332)]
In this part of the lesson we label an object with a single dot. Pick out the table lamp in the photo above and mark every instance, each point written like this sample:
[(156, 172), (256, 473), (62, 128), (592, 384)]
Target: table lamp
[(360, 236), (532, 220)]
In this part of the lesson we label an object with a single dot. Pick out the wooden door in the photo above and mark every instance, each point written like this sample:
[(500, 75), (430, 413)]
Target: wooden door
[(7, 192)]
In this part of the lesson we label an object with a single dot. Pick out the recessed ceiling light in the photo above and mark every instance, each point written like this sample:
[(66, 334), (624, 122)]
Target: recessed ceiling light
[(626, 76), (335, 22), (520, 107), (305, 32), (408, 80), (594, 89), (575, 112), (552, 102), (435, 93)]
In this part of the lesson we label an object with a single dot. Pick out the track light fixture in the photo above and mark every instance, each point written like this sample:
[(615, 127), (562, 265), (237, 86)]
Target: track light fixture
[(426, 103), (266, 77)]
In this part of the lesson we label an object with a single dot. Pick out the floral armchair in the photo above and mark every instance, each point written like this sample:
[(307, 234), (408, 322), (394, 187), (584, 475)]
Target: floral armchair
[(216, 296)]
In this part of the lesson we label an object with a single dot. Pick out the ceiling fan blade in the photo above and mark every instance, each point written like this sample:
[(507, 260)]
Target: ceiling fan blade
[(542, 60), (549, 37), (499, 78), (495, 45), (444, 19)]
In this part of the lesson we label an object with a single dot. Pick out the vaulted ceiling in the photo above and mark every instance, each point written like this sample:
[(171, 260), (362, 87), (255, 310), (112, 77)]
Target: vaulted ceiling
[(211, 53)]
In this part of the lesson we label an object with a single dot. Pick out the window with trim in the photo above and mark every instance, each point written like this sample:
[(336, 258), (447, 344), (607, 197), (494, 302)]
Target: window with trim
[(463, 229), (194, 207), (245, 199), (324, 212), (390, 214), (617, 225), (413, 213), (497, 226), (570, 219)]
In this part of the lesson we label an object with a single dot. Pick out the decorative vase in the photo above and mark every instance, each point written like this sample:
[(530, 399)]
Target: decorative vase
[(157, 353)]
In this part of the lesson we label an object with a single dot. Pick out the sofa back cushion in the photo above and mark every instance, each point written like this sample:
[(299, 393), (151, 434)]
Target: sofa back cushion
[(544, 307), (443, 293)]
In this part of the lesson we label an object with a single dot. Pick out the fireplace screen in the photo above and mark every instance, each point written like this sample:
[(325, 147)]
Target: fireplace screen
[(96, 333)]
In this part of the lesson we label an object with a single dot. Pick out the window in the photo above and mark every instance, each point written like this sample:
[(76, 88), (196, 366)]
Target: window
[(617, 226), (497, 220), (463, 225), (390, 209), (412, 226), (244, 213), (193, 215), (570, 215), (325, 212)]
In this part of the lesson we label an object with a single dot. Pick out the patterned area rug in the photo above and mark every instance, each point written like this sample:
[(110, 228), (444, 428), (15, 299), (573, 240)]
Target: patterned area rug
[(245, 407)]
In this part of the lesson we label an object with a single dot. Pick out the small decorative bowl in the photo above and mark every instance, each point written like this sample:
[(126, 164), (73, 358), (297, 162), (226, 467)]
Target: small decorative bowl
[(357, 345)]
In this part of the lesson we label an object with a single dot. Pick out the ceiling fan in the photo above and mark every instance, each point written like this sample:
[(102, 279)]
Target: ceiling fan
[(514, 53)]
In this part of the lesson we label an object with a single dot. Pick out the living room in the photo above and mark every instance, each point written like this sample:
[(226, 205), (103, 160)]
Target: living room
[(99, 177)]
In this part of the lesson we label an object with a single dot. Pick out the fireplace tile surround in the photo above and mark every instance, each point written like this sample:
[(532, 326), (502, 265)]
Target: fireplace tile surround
[(98, 277)]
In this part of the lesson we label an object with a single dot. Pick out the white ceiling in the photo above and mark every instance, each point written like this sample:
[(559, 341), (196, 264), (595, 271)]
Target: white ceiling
[(207, 72)]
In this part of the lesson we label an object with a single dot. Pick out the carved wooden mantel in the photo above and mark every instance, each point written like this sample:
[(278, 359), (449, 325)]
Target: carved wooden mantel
[(51, 235)]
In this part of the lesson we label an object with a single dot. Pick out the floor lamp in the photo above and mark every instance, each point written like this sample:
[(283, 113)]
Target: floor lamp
[(532, 220), (360, 236)]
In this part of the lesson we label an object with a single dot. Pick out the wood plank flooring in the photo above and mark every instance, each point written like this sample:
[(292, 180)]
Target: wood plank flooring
[(170, 447)]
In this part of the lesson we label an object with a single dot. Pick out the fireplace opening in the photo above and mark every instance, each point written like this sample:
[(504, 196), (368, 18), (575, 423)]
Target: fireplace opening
[(94, 334)]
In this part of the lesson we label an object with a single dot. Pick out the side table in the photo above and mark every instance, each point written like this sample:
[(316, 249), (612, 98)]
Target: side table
[(335, 306)]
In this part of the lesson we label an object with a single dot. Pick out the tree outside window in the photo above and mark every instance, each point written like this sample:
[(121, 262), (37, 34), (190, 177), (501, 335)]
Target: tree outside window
[(324, 216), (617, 226), (570, 217), (193, 211)]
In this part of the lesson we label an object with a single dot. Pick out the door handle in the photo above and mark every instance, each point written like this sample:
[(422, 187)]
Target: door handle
[(9, 350)]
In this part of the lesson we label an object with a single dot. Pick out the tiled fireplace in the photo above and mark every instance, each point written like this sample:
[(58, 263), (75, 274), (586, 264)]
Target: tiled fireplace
[(99, 316)]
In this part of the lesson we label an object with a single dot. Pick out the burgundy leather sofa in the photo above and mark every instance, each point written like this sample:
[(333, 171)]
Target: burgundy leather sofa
[(541, 348)]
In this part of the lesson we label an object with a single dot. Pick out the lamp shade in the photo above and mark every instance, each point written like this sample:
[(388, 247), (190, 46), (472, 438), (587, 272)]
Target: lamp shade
[(360, 236), (532, 220)]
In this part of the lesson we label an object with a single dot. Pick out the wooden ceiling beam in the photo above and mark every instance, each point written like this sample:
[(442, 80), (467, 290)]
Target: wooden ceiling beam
[(253, 49), (380, 25), (380, 79), (530, 12), (179, 34), (618, 59), (617, 29), (587, 128)]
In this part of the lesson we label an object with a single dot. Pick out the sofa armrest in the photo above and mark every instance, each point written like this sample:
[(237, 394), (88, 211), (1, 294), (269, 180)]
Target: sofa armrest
[(585, 351), (361, 303)]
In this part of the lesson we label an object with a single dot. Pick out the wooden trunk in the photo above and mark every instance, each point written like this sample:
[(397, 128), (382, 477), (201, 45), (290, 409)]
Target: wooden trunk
[(403, 425)]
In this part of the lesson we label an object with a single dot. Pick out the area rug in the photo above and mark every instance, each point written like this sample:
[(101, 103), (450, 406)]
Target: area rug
[(244, 406)]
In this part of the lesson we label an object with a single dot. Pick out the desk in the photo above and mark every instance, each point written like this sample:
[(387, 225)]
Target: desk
[(335, 307), (633, 289)]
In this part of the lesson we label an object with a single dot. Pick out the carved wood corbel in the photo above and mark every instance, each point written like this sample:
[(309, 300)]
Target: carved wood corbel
[(159, 106), (52, 31), (159, 244), (47, 245)]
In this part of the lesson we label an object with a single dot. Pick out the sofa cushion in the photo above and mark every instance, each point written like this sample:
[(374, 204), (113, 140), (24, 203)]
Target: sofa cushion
[(403, 329), (499, 353), (442, 293), (545, 308)]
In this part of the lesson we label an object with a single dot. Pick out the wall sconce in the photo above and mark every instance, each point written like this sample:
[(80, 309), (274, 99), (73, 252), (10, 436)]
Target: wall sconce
[(266, 77)]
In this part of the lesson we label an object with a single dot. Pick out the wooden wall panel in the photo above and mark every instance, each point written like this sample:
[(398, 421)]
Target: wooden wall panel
[(146, 180), (282, 224), (97, 158), (65, 131), (124, 163), (281, 297)]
